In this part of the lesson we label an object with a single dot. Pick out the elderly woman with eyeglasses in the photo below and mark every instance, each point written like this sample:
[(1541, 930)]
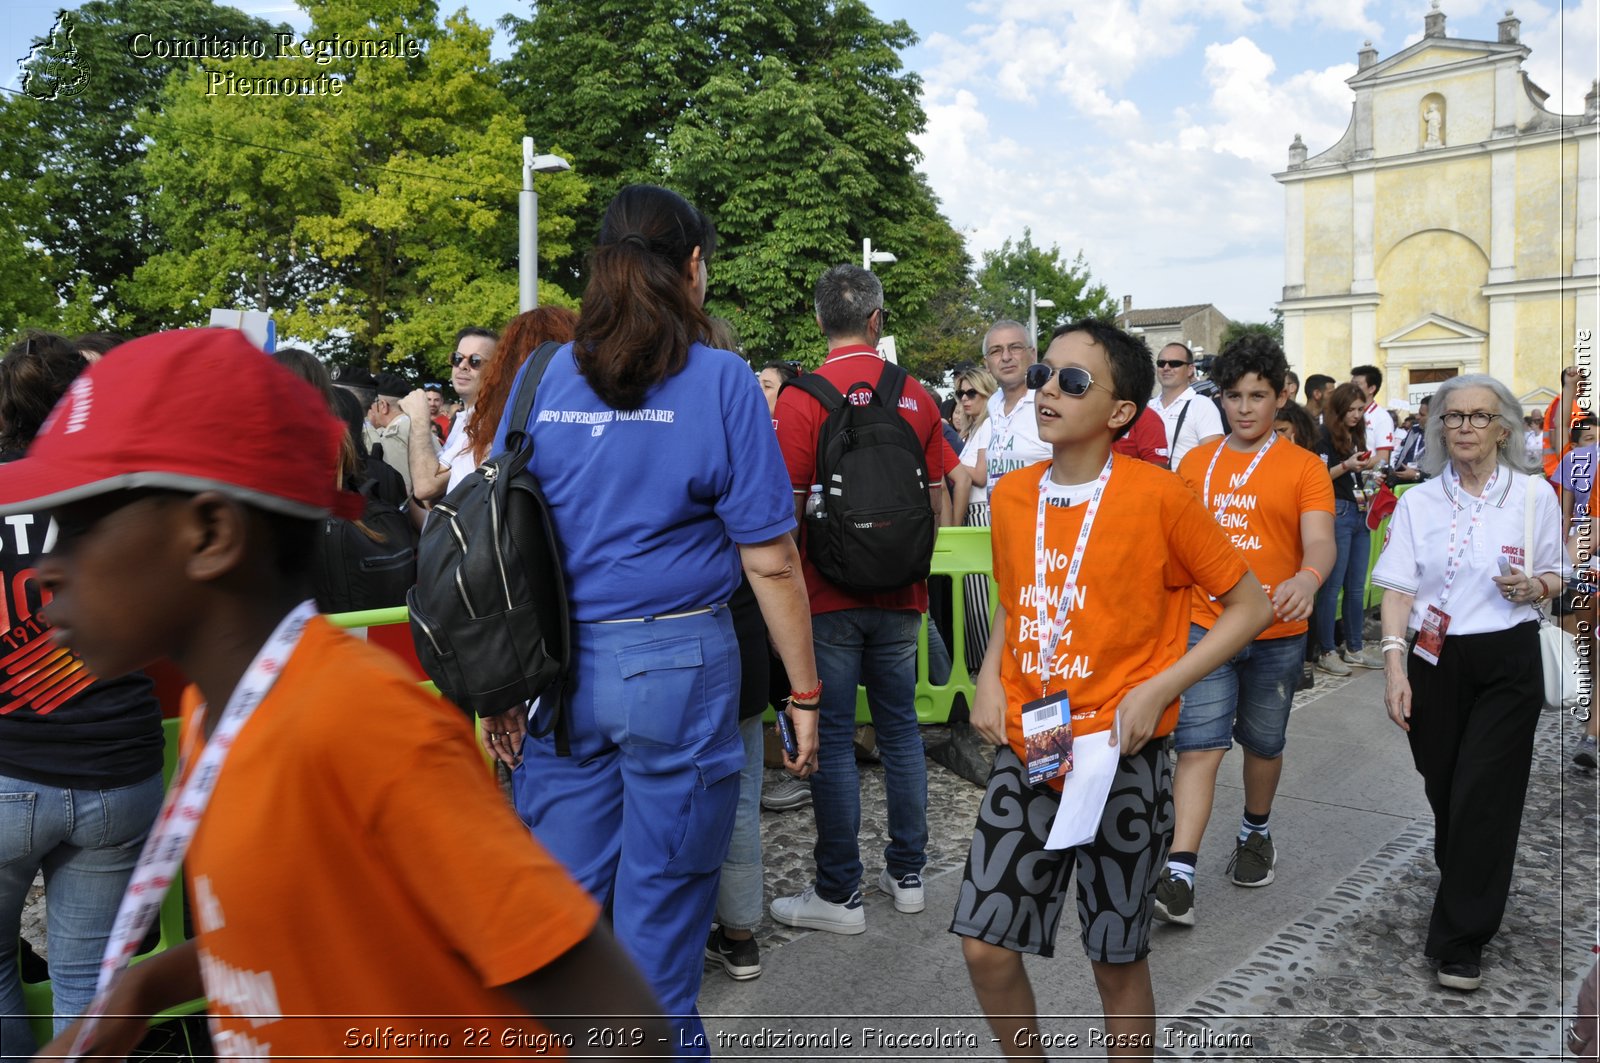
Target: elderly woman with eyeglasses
[(1462, 576)]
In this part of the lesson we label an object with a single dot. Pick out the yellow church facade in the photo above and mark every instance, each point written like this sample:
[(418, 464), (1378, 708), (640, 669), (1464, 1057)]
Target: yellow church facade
[(1452, 229)]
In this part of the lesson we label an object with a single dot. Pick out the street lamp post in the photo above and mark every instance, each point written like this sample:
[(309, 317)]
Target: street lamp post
[(1034, 303), (869, 256), (528, 222)]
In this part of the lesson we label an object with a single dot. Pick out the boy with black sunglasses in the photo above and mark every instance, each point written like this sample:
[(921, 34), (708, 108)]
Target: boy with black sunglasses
[(1075, 540)]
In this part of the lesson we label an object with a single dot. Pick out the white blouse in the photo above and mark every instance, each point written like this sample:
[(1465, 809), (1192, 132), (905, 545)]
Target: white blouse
[(1414, 557)]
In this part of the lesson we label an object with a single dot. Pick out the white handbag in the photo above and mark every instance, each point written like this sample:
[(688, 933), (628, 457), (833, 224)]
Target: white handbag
[(1558, 652)]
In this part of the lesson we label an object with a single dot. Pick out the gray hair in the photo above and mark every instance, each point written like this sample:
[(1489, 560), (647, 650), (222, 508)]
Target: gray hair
[(1435, 453), (846, 297), (1005, 323)]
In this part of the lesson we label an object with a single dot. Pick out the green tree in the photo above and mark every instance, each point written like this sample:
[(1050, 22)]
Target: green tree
[(1009, 272), (788, 121), (374, 222), (1273, 330), (71, 200)]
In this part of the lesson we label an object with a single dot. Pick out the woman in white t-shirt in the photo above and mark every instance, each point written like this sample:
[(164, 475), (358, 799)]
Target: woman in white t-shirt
[(1467, 689)]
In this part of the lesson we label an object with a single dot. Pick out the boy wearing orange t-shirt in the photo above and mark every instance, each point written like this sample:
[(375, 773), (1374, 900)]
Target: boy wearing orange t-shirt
[(1275, 501), (360, 886), (1132, 542)]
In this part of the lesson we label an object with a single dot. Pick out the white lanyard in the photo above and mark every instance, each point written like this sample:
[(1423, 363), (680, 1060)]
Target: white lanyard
[(180, 814), (1249, 469), (1454, 555), (1041, 605)]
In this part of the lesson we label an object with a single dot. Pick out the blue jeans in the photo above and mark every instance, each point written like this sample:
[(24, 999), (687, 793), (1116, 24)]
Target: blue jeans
[(876, 648), (739, 897), (87, 842), (642, 810), (1247, 697), (1354, 540)]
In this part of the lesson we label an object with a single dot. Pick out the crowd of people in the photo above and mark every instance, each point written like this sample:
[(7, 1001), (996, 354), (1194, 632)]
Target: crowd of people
[(721, 550)]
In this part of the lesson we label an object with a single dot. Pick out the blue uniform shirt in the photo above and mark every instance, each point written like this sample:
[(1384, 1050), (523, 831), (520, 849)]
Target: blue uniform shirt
[(649, 503)]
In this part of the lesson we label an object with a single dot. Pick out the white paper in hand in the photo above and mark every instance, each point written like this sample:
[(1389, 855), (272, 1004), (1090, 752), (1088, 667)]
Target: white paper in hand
[(1084, 791)]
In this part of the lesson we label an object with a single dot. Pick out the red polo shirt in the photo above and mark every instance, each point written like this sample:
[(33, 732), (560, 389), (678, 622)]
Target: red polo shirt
[(798, 417)]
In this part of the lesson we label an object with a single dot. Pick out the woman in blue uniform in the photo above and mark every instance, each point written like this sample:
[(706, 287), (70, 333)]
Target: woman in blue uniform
[(665, 481)]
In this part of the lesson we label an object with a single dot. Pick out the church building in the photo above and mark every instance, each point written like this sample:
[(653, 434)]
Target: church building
[(1452, 229)]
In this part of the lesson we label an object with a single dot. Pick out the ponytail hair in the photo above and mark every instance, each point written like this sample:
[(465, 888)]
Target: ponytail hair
[(639, 318)]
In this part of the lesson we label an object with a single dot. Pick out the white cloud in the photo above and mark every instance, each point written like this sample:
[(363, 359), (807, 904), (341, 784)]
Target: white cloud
[(1565, 45), (1258, 118)]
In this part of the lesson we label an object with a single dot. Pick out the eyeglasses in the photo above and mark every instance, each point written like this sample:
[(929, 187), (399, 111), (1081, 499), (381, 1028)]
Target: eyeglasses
[(1011, 348), (1171, 363), (1477, 418), (883, 319), (1073, 380), (969, 393), (476, 360)]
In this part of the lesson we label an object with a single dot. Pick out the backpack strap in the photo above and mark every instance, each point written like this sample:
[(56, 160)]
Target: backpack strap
[(820, 389), (891, 385), (520, 406)]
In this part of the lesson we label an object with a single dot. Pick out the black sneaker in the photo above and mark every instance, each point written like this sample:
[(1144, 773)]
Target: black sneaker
[(1174, 899), (741, 959), (1459, 974), (1584, 757)]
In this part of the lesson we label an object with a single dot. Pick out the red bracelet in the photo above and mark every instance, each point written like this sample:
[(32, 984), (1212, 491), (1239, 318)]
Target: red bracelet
[(806, 695), (1314, 572)]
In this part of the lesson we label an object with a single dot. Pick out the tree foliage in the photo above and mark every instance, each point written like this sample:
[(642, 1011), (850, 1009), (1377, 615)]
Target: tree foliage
[(1273, 330), (788, 121), (76, 222), (374, 222), (1008, 273)]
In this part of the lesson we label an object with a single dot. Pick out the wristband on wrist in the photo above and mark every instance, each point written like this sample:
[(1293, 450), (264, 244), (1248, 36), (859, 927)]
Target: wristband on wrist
[(1393, 642), (1314, 572), (806, 695)]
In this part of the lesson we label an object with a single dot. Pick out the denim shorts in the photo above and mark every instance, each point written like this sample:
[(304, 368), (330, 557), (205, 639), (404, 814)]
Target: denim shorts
[(1246, 699)]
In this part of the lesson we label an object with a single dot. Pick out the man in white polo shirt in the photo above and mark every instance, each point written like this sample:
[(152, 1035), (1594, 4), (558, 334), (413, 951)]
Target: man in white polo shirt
[(1009, 437), (1191, 418), (1380, 426)]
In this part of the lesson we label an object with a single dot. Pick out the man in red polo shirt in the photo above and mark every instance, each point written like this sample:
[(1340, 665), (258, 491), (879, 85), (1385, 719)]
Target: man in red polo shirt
[(860, 638)]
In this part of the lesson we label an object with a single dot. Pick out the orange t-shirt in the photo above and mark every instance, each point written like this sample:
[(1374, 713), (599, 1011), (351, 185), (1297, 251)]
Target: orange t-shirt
[(1261, 516), (357, 868), (1152, 541)]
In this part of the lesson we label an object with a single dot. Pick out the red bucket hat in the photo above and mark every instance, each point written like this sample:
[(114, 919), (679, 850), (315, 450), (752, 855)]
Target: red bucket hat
[(240, 423)]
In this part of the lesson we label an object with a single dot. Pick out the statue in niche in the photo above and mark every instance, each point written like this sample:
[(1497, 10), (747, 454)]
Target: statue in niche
[(1433, 123)]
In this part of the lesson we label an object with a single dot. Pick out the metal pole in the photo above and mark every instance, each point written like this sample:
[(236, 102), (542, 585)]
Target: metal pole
[(528, 234), (866, 253), (1033, 320)]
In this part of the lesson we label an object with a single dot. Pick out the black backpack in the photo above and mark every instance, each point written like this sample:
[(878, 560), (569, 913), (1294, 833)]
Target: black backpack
[(366, 569), (877, 529), (489, 612)]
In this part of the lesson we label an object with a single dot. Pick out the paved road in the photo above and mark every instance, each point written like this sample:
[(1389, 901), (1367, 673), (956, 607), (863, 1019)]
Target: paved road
[(1324, 963)]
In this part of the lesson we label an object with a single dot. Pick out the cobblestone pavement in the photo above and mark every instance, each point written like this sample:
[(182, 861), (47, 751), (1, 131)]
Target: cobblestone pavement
[(1349, 979)]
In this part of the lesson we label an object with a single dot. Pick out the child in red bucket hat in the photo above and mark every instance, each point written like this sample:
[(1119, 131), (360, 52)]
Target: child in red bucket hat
[(351, 883)]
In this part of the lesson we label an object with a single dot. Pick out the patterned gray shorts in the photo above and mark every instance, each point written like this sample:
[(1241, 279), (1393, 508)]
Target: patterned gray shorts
[(1013, 889)]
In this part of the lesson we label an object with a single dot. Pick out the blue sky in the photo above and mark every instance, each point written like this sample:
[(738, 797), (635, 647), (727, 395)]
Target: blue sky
[(1142, 132)]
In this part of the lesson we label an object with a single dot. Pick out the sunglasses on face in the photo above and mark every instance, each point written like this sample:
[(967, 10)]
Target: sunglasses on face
[(969, 393), (476, 360), (1171, 363), (1073, 380)]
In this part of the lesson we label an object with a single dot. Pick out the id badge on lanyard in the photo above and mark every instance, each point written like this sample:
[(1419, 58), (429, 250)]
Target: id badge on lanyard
[(1436, 621), (1047, 721), (181, 812)]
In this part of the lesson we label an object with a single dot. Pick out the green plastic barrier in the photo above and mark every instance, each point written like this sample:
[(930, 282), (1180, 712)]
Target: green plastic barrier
[(958, 552)]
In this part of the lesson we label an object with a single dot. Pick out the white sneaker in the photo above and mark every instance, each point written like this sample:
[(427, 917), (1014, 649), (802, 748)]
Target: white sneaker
[(813, 913), (1366, 657), (906, 891), (1329, 662)]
